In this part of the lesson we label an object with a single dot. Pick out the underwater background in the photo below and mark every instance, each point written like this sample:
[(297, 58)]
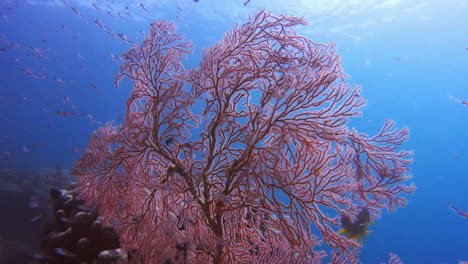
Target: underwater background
[(58, 61)]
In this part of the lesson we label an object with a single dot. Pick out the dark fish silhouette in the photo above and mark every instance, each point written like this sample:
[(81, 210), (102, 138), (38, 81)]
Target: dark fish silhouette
[(358, 229)]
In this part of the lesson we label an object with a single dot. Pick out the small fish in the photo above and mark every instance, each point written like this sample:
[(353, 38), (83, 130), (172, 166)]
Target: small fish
[(458, 211), (59, 81), (33, 74), (97, 22), (17, 61), (459, 100), (26, 149), (6, 48), (96, 7), (112, 35), (112, 255), (67, 100), (38, 204), (181, 21), (92, 118), (35, 218), (78, 14), (38, 52), (143, 7), (64, 113), (27, 100), (124, 38), (41, 257), (64, 252), (101, 25)]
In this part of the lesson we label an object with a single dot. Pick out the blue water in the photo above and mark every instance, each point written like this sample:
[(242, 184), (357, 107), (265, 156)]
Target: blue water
[(408, 56)]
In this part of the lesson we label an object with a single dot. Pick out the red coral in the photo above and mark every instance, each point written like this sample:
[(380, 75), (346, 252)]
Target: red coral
[(262, 173)]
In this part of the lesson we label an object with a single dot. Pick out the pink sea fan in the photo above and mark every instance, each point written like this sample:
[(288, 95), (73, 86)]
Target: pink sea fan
[(262, 173)]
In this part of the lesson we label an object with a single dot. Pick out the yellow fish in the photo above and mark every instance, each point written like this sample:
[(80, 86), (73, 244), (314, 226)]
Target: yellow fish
[(358, 229)]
